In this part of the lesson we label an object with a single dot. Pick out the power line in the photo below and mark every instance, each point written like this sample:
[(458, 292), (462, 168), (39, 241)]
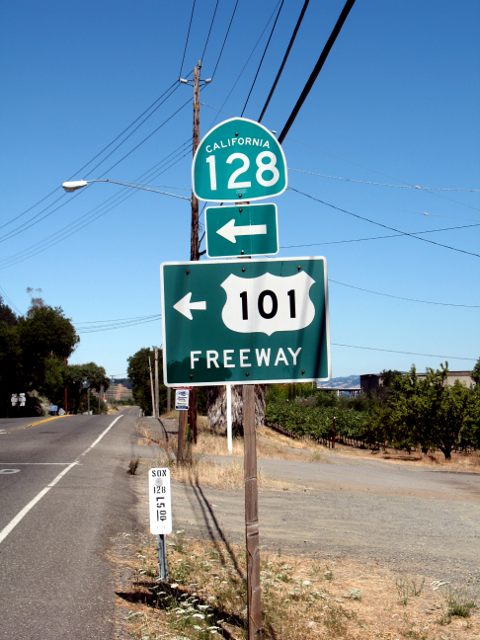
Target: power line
[(134, 130), (317, 68), (120, 325), (48, 211), (33, 206), (37, 219), (80, 323), (285, 58), (4, 296), (384, 226), (242, 70), (187, 38), (202, 57), (152, 133), (99, 210), (390, 295), (414, 187), (84, 166), (225, 38), (405, 353), (272, 30), (390, 235)]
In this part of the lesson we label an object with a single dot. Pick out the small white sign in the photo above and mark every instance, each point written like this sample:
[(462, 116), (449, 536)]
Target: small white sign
[(160, 501), (181, 399)]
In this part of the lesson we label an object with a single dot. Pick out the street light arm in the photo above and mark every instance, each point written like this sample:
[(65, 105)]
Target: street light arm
[(75, 185)]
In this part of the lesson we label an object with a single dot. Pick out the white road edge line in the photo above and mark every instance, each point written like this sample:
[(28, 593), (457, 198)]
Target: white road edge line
[(28, 507), (102, 435)]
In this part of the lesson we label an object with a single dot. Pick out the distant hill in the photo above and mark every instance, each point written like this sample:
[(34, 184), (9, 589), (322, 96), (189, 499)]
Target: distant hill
[(126, 382), (345, 382)]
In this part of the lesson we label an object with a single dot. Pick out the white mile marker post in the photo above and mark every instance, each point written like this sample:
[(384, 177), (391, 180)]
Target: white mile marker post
[(160, 509)]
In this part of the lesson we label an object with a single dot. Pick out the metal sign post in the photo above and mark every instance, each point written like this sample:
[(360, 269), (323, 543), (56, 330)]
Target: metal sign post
[(160, 511)]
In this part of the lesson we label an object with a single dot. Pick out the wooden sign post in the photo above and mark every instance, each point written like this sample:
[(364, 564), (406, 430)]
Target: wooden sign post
[(254, 606)]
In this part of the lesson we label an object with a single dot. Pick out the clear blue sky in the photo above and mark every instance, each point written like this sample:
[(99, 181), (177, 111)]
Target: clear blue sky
[(396, 104)]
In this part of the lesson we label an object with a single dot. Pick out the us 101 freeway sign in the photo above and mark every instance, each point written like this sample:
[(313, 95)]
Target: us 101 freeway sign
[(245, 230), (245, 321), (239, 159)]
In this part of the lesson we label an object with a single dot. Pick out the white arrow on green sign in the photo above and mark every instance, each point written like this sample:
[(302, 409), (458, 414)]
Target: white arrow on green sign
[(239, 159), (245, 230), (245, 321)]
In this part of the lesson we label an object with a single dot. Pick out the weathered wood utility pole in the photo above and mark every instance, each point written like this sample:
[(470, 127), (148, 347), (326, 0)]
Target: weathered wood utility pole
[(254, 606), (154, 412), (194, 240), (157, 387)]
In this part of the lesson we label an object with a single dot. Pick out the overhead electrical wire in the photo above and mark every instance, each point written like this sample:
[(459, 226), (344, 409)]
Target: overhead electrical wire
[(38, 217), (202, 57), (123, 324), (147, 137), (405, 353), (414, 187), (242, 70), (92, 216), (187, 38), (383, 237), (317, 68), (419, 300), (225, 39), (384, 226), (80, 323), (6, 298), (285, 58), (134, 130), (99, 210), (85, 165), (272, 30), (50, 209)]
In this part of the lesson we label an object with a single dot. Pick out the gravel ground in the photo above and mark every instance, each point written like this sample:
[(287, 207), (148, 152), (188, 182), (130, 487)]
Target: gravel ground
[(411, 520)]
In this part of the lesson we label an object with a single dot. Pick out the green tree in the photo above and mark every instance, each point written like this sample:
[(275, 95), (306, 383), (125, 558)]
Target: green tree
[(82, 379), (396, 414), (10, 368), (476, 373), (44, 333), (139, 374)]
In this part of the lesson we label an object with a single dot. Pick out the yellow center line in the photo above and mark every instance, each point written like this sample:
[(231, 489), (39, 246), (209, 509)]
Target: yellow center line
[(34, 424)]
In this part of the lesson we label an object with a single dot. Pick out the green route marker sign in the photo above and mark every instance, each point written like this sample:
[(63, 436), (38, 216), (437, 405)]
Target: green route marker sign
[(239, 159), (245, 321), (245, 230)]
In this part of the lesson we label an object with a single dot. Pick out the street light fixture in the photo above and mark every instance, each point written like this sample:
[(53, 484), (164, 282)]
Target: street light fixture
[(75, 185)]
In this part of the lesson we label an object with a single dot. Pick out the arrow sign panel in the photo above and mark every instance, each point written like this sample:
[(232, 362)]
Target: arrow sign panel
[(246, 230), (230, 232), (252, 321), (185, 306)]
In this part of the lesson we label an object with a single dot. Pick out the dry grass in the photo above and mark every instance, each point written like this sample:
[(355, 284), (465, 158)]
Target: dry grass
[(226, 471), (303, 598)]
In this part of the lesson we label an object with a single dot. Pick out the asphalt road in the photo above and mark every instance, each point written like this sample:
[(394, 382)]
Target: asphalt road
[(64, 495)]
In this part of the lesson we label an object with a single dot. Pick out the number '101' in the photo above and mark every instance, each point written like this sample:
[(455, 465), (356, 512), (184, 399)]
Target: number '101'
[(267, 304)]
